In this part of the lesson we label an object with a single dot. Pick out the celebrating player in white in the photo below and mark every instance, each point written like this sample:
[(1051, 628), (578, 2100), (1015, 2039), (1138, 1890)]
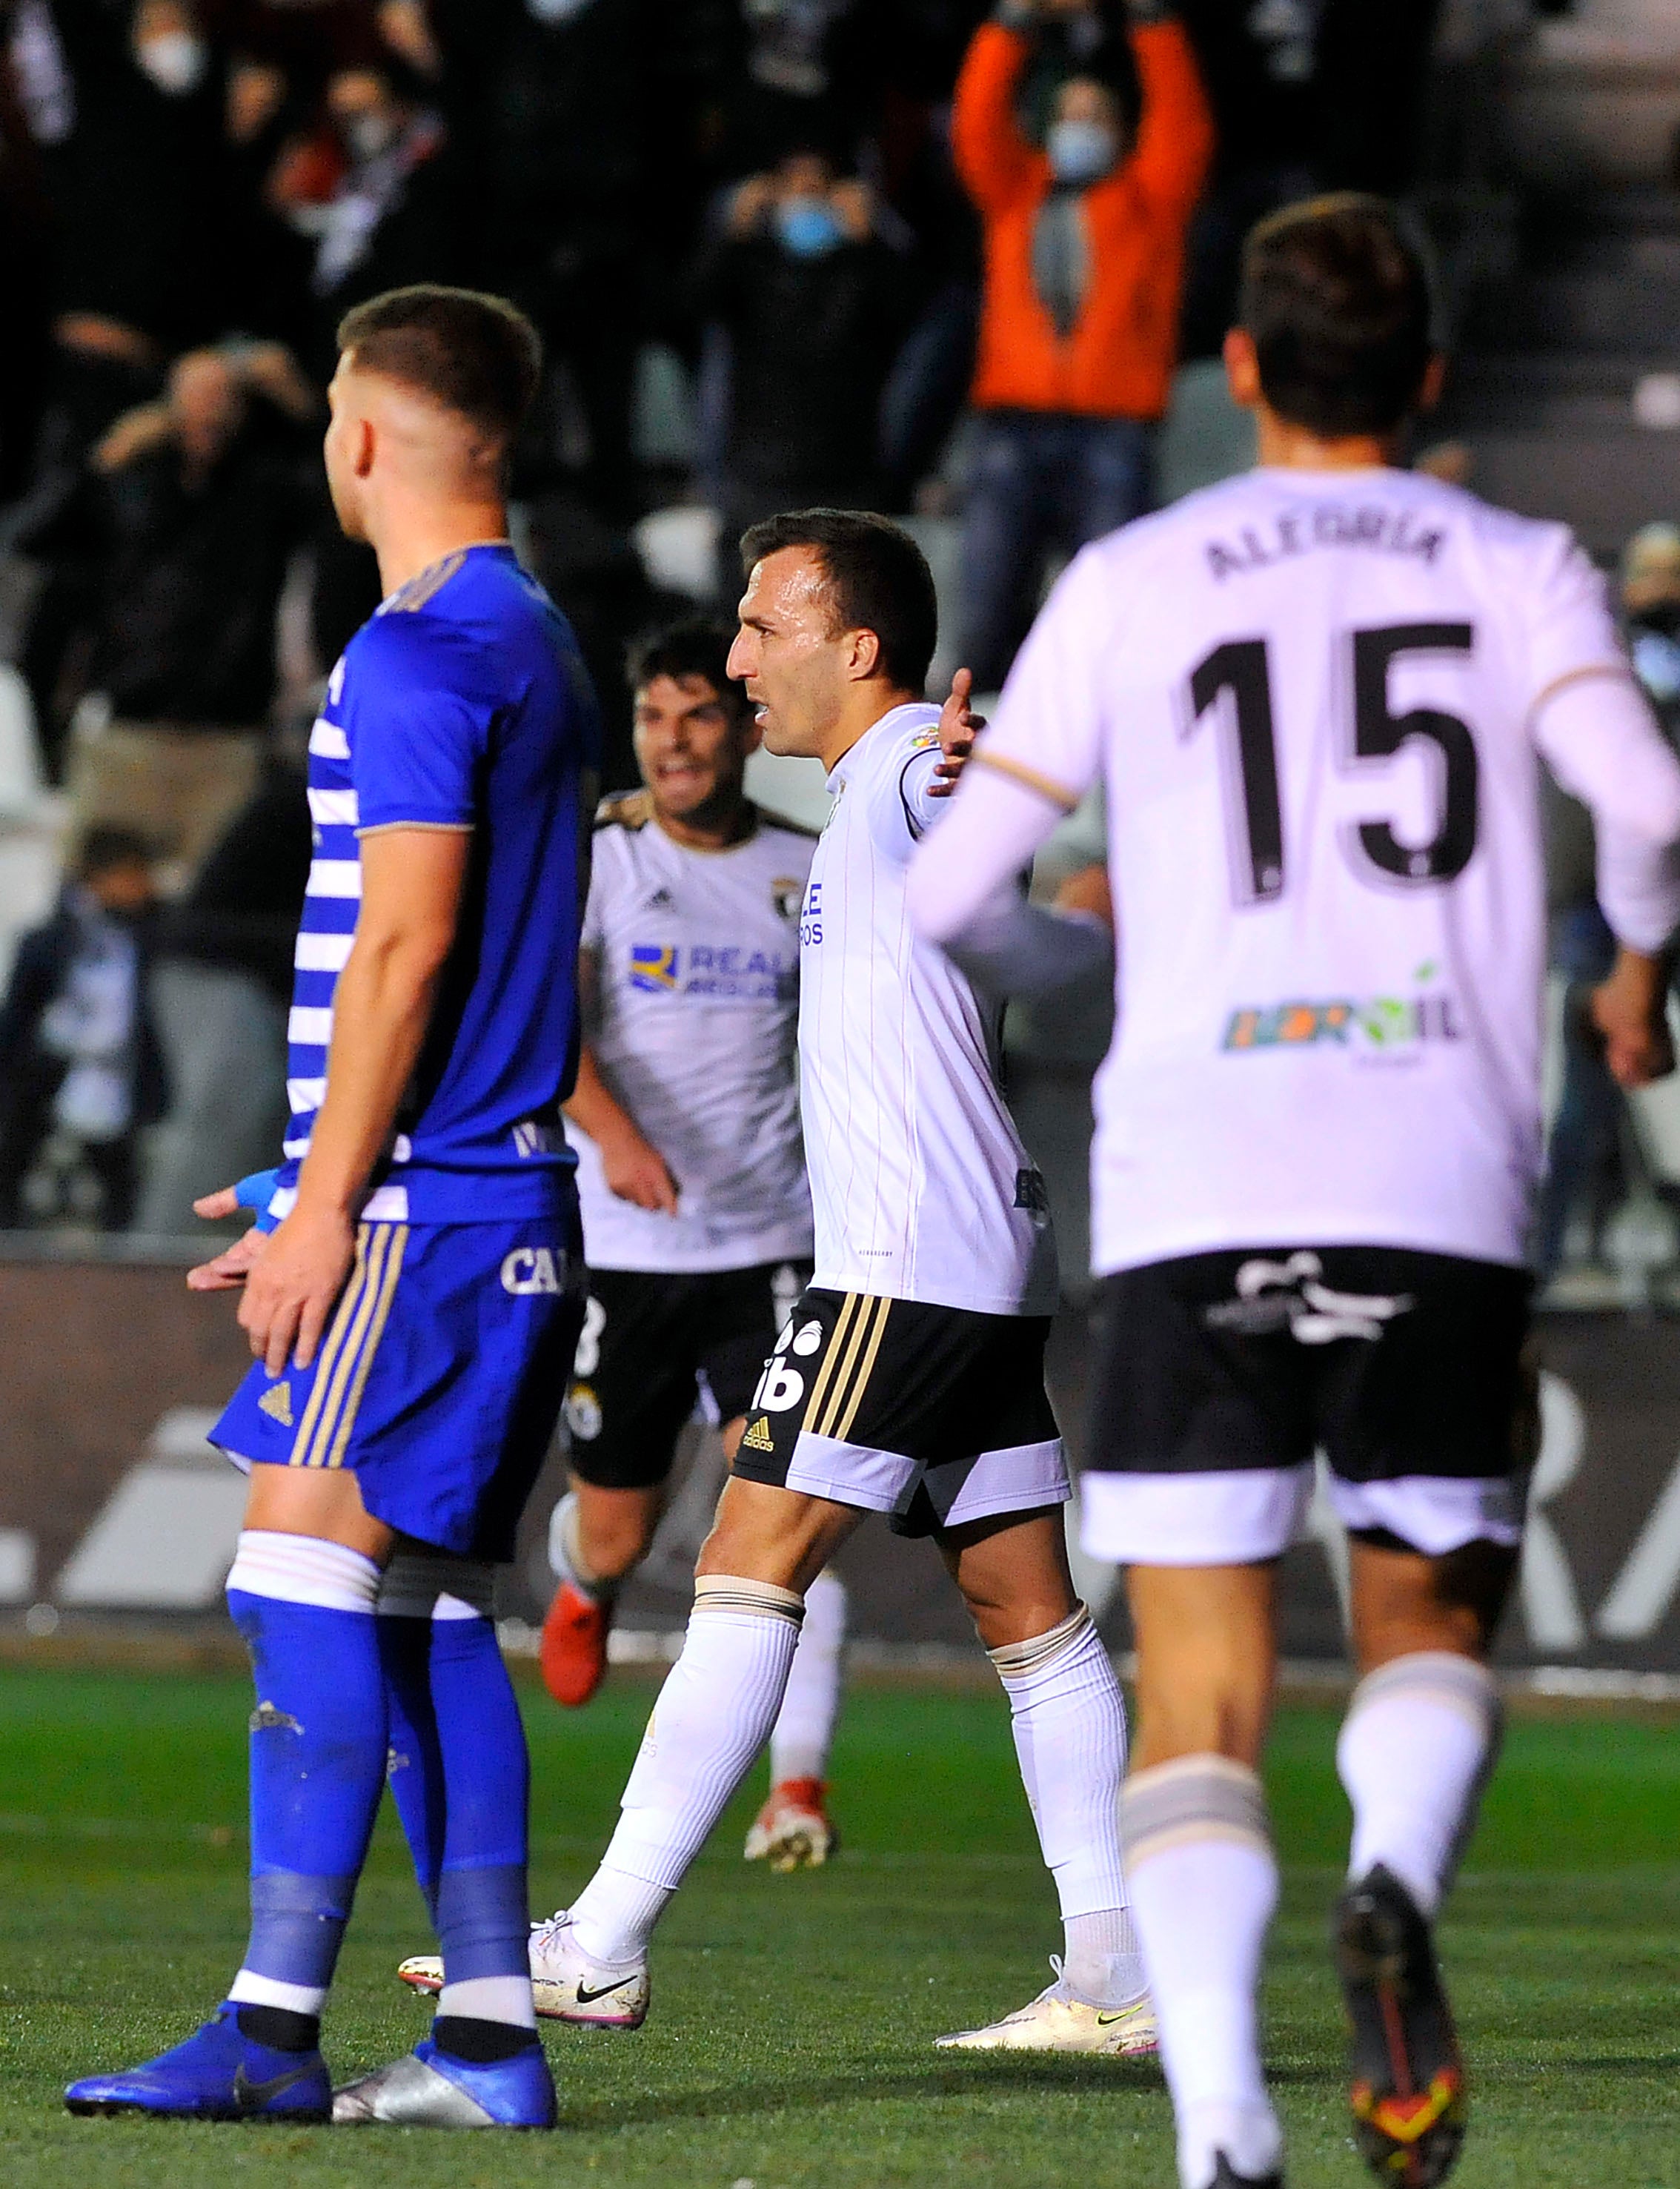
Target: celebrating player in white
[(691, 1174), (1316, 696), (909, 1381)]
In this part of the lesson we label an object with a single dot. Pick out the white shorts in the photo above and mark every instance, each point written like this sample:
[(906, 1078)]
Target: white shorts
[(1253, 1513)]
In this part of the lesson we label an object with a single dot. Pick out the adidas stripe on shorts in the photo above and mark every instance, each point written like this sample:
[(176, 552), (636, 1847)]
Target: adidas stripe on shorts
[(935, 1416), (439, 1380)]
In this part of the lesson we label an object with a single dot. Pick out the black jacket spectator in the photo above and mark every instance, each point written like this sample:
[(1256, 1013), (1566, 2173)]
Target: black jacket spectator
[(188, 577), (35, 1066), (811, 339)]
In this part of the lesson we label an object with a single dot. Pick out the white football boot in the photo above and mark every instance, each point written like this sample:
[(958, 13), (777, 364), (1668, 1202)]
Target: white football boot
[(566, 1985), (1056, 2021), (793, 1830)]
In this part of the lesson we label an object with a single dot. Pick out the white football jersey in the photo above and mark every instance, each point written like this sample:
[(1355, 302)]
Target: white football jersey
[(697, 973), (1314, 699), (920, 1184)]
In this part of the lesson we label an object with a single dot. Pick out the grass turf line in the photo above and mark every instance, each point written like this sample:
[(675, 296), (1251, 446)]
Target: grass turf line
[(790, 2042)]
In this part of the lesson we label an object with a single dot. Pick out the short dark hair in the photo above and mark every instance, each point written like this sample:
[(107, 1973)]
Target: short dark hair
[(105, 847), (477, 355), (1336, 297), (694, 646), (876, 579)]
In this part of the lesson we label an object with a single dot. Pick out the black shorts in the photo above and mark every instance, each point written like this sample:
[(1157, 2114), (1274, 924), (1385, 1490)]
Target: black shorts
[(1393, 1363), (935, 1416), (652, 1346)]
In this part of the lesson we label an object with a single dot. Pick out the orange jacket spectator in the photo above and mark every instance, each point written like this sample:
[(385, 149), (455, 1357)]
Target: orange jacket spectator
[(1118, 360)]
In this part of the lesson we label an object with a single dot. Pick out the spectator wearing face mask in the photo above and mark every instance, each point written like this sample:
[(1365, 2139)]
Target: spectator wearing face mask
[(1084, 265), (80, 1071), (378, 196), (185, 520), (150, 205), (813, 300)]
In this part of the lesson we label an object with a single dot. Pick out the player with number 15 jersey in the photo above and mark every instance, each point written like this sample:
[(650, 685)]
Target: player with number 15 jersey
[(1316, 698)]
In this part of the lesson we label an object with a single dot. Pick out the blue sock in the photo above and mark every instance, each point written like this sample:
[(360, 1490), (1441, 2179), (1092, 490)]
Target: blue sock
[(318, 1750), (460, 1778)]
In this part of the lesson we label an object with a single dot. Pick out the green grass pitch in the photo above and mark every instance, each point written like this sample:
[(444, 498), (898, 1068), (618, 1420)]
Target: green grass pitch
[(789, 2043)]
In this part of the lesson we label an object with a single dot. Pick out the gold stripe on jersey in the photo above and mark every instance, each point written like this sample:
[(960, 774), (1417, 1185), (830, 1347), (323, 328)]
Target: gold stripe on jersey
[(1621, 672), (1045, 786), (865, 1369), (830, 1358)]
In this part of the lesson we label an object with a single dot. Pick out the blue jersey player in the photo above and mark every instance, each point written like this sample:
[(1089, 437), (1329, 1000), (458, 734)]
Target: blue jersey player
[(414, 1311)]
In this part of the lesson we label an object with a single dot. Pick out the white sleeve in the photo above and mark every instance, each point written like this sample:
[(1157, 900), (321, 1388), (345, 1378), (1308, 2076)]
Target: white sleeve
[(994, 825), (1012, 947), (1049, 724), (1599, 737), (1032, 765)]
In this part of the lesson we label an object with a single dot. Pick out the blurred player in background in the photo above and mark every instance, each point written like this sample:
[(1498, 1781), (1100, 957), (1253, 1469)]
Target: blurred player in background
[(1316, 696), (691, 1173), (414, 1313), (910, 1379)]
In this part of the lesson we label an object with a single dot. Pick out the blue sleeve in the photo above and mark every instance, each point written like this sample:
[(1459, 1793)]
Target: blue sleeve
[(418, 734)]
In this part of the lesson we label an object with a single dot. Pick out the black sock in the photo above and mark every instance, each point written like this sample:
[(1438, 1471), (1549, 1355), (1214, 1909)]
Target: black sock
[(466, 2038), (280, 2028), (481, 2043)]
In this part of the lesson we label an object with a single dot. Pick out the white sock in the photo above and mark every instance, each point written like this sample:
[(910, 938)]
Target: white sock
[(1069, 1719), (1204, 1884), (805, 1729), (490, 1999), (709, 1726), (614, 1915), (1416, 1748)]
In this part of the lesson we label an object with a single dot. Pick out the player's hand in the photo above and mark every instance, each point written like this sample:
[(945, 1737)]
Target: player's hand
[(227, 1271), (636, 1172), (1630, 1009), (959, 727), (292, 1285)]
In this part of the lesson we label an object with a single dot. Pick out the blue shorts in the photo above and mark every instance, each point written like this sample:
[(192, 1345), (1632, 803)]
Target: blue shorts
[(439, 1380)]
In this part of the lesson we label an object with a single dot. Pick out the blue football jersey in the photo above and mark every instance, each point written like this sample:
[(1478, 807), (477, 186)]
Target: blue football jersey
[(461, 704)]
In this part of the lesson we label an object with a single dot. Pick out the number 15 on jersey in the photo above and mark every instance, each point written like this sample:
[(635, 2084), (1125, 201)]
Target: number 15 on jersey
[(1242, 668)]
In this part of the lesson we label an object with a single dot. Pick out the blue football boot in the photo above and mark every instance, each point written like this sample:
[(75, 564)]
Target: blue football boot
[(429, 2089), (219, 2074)]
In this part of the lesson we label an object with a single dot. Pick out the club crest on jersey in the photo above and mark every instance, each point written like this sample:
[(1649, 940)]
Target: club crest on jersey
[(655, 967)]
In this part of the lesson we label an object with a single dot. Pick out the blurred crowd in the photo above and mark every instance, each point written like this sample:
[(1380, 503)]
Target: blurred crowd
[(937, 257)]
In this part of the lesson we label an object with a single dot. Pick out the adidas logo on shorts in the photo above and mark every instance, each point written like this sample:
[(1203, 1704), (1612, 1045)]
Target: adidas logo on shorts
[(276, 1403), (757, 1436)]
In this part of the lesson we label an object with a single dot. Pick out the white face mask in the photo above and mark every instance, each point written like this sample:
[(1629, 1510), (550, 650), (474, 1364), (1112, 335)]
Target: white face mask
[(367, 135), (175, 61)]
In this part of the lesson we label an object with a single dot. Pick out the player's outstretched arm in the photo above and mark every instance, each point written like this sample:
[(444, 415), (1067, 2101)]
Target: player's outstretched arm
[(632, 1166), (411, 888)]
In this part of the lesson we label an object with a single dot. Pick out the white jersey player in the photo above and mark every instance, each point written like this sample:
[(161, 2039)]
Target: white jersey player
[(1316, 697), (691, 1171), (908, 1380)]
